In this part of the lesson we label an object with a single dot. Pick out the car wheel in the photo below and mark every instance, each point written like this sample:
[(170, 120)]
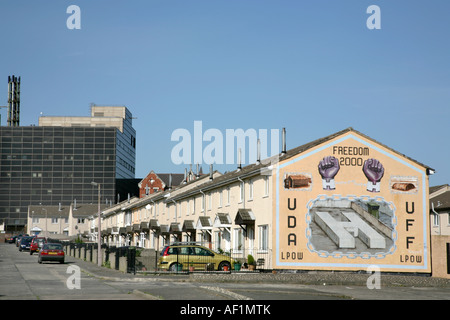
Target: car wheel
[(31, 252), (62, 261), (224, 264)]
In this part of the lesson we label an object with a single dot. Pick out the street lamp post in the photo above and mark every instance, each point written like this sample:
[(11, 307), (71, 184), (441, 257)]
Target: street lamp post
[(99, 234), (46, 231)]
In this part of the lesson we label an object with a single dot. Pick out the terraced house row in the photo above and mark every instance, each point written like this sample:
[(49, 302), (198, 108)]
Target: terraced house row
[(226, 212), (342, 202)]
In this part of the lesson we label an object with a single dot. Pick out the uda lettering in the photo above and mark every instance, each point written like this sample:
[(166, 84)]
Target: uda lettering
[(349, 204)]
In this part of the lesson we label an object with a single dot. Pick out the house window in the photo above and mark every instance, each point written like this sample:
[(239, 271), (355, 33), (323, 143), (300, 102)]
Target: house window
[(80, 220), (228, 196), (266, 186), (238, 245), (241, 191), (209, 201), (220, 198), (35, 220), (250, 190), (54, 220), (263, 237), (128, 218), (142, 240)]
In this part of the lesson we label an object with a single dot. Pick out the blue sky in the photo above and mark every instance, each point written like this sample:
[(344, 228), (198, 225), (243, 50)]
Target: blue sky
[(312, 67)]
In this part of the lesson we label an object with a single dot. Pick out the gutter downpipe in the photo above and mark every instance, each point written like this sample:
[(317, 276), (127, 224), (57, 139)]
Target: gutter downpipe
[(437, 214)]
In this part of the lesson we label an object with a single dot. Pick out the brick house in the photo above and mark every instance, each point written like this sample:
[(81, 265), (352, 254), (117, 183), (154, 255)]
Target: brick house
[(440, 230), (154, 182)]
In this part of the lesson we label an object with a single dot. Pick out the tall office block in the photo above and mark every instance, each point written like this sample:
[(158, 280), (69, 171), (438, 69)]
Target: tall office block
[(56, 161)]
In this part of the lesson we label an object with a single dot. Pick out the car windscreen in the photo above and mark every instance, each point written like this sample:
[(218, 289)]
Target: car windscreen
[(53, 246)]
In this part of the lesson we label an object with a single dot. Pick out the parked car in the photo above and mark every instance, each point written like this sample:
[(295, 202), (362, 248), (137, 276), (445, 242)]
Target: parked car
[(11, 239), (51, 252), (19, 237), (36, 244), (193, 257), (25, 243), (18, 240)]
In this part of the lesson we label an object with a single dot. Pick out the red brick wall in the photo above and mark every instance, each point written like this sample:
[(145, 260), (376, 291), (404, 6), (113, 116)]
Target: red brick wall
[(157, 183)]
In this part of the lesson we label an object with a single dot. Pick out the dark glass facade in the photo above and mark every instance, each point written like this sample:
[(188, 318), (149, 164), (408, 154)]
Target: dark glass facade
[(126, 149), (52, 165)]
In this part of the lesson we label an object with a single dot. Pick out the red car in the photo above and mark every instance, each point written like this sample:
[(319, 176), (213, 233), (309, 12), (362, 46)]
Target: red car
[(52, 252), (36, 244)]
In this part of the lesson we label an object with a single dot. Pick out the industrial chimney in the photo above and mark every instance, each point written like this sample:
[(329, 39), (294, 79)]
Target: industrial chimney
[(13, 101)]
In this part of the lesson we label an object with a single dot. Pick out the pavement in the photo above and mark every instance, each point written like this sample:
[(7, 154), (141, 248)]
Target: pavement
[(291, 277)]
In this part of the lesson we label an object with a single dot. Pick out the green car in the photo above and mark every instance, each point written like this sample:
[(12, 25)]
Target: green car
[(178, 257)]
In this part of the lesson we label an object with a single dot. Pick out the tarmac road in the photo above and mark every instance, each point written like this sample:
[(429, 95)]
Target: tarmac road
[(22, 278)]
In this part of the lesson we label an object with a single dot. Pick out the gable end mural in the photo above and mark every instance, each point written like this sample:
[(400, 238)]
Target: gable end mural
[(350, 203)]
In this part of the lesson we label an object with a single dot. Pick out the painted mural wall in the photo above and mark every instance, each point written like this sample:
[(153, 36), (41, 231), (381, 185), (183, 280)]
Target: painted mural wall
[(348, 204)]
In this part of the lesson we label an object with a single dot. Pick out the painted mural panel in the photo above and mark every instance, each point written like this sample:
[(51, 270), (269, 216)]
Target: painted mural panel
[(348, 204)]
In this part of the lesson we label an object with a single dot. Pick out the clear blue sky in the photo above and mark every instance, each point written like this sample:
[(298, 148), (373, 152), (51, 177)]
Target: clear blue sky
[(312, 67)]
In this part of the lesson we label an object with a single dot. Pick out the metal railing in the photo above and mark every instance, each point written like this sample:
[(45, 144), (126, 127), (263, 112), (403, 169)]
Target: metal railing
[(176, 258), (183, 257)]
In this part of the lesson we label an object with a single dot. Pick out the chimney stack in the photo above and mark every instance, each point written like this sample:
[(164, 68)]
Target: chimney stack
[(283, 152), (13, 101), (258, 159), (239, 159)]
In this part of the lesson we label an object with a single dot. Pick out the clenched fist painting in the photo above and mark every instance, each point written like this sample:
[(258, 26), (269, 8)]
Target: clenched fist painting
[(374, 171), (328, 169)]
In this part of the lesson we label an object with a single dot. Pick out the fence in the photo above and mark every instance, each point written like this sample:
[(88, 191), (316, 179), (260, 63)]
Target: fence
[(174, 258), (126, 259), (193, 258)]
